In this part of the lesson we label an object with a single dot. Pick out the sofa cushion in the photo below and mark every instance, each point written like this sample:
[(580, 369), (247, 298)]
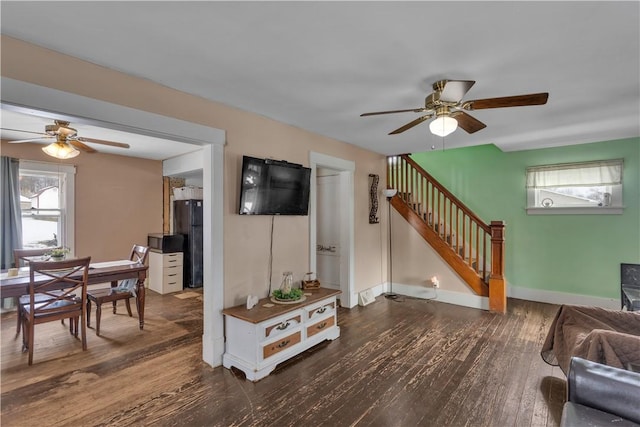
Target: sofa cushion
[(576, 415)]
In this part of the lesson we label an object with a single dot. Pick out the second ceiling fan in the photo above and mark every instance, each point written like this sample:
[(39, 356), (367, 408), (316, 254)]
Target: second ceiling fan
[(446, 105), (66, 141)]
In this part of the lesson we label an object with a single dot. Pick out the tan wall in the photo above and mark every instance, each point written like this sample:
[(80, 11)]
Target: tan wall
[(118, 200), (246, 244), (415, 261)]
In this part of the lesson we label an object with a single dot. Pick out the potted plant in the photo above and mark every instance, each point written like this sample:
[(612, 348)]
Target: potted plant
[(287, 293), (293, 295), (58, 254)]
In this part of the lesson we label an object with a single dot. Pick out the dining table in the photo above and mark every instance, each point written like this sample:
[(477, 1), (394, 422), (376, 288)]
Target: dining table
[(99, 272)]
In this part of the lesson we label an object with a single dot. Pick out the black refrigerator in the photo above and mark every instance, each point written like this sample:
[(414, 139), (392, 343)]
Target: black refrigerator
[(187, 220)]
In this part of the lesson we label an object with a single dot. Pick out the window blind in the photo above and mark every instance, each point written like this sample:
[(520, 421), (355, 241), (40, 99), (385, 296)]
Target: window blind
[(584, 174)]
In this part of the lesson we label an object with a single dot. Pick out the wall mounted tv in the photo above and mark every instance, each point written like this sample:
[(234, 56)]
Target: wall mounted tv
[(273, 187)]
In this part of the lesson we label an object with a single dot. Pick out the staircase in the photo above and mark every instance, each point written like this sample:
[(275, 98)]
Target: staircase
[(474, 249)]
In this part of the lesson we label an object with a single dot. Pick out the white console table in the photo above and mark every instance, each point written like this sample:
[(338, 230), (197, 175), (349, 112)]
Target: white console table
[(260, 338)]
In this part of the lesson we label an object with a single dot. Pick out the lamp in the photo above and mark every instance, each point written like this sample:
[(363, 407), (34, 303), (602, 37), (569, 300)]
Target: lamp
[(389, 193), (443, 125), (60, 150)]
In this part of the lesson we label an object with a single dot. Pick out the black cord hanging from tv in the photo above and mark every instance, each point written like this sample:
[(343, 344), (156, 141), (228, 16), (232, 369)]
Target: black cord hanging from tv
[(271, 256)]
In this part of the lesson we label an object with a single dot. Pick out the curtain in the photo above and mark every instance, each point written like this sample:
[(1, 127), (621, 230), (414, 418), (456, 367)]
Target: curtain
[(11, 218), (586, 174)]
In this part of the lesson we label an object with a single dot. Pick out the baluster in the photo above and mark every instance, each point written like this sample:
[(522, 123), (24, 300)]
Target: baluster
[(406, 181), (484, 256), (457, 230), (477, 247)]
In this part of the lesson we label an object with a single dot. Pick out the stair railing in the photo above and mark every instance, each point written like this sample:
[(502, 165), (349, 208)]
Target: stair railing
[(479, 245)]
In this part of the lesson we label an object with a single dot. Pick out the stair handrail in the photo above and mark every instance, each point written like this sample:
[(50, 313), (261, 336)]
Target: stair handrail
[(446, 192)]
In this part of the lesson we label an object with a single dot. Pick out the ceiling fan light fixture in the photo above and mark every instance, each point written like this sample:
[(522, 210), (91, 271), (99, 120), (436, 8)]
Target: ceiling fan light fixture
[(443, 125), (60, 150)]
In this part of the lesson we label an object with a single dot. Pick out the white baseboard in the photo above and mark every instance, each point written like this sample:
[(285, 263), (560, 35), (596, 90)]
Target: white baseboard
[(554, 297), (441, 295), (475, 301)]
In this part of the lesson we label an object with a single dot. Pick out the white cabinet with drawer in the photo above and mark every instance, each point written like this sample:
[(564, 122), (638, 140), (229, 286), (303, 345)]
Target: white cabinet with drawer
[(165, 272), (260, 338)]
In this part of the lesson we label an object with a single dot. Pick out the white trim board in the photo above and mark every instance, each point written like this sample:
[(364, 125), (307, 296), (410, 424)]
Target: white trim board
[(441, 295), (554, 297), (22, 96), (475, 301)]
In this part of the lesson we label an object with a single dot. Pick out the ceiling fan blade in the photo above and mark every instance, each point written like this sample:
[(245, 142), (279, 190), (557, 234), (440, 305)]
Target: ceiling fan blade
[(80, 145), (454, 90), (25, 131), (415, 110), (507, 101), (19, 141), (411, 124), (468, 123), (101, 141)]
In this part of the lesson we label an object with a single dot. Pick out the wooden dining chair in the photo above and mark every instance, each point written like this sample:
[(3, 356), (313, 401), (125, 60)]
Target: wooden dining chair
[(21, 258), (124, 290), (47, 278)]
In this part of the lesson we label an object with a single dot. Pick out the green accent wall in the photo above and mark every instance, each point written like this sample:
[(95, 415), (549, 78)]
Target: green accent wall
[(577, 254)]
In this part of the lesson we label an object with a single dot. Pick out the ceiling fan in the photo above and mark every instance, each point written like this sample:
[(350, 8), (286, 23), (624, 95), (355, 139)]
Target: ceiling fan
[(446, 104), (66, 141)]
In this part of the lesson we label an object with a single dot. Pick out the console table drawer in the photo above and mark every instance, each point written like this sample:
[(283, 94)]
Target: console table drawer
[(319, 310), (280, 345), (281, 327), (320, 326)]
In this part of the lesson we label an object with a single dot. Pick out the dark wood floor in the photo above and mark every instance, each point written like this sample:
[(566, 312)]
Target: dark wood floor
[(397, 363)]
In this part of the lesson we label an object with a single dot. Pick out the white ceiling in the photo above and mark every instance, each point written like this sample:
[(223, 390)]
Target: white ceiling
[(319, 65)]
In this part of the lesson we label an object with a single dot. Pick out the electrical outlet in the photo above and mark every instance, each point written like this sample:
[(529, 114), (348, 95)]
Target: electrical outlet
[(435, 282)]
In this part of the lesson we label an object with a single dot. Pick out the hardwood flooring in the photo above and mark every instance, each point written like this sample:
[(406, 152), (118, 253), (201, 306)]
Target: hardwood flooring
[(397, 363)]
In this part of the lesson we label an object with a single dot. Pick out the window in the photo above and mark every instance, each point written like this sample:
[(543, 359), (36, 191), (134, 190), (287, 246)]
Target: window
[(575, 188), (46, 201)]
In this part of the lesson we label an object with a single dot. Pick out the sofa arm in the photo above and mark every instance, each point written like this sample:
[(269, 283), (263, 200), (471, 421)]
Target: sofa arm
[(605, 388)]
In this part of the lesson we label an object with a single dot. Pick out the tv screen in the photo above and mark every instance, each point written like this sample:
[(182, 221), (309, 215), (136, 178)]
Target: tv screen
[(273, 187)]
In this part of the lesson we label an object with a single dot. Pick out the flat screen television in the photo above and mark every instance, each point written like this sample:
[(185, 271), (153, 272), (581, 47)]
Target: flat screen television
[(273, 187)]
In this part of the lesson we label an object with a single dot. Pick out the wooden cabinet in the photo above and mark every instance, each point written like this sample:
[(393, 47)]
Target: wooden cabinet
[(260, 338), (165, 272)]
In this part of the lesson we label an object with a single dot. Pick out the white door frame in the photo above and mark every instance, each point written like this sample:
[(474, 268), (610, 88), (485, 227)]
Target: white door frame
[(347, 226)]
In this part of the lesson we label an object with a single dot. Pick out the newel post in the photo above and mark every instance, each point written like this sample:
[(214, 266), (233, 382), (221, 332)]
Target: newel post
[(497, 284)]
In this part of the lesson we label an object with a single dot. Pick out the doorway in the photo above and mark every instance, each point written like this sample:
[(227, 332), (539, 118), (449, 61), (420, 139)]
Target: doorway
[(209, 158), (328, 228), (343, 192)]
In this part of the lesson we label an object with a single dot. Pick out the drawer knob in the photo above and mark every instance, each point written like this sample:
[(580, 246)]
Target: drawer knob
[(283, 344), (321, 310), (321, 325), (282, 326)]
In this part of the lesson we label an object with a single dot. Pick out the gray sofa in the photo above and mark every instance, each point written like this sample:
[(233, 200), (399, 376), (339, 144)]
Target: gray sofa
[(599, 395)]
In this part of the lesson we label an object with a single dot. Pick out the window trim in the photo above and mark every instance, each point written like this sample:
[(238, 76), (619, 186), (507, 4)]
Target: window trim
[(581, 210), (615, 208), (67, 173)]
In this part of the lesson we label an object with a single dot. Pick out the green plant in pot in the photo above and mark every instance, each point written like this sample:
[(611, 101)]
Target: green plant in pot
[(293, 295), (58, 253), (286, 291)]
